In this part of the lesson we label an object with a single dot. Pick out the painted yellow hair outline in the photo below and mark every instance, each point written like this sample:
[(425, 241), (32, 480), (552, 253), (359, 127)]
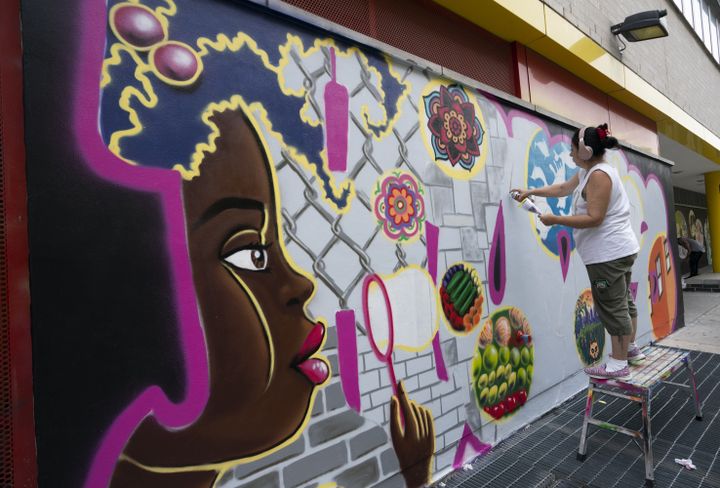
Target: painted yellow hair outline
[(205, 45), (295, 41)]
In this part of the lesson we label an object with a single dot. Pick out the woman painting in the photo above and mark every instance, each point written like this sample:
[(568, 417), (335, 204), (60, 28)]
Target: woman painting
[(604, 240)]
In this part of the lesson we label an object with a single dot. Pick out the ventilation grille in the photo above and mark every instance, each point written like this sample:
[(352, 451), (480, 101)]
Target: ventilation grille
[(427, 31), (6, 432)]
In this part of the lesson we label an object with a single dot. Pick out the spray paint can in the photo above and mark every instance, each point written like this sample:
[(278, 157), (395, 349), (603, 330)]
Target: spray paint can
[(527, 204)]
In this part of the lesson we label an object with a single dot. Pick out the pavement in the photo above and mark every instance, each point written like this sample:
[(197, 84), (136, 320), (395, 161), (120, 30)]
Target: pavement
[(543, 454), (705, 281)]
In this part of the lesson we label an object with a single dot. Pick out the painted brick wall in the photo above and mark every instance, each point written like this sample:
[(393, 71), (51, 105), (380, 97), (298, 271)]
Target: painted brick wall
[(678, 65)]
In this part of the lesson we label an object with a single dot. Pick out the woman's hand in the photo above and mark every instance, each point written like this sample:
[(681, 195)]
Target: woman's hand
[(520, 195), (415, 443), (549, 219)]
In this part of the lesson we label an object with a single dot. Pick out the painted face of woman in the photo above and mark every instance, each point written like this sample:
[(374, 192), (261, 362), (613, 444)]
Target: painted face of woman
[(261, 345)]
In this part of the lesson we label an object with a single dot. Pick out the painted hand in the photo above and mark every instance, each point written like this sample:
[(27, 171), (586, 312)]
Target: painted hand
[(415, 443), (549, 219)]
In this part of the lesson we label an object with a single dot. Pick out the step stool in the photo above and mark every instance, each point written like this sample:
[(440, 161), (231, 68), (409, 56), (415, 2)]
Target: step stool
[(660, 363)]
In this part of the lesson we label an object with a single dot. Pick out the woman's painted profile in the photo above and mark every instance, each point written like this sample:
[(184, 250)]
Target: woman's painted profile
[(187, 96)]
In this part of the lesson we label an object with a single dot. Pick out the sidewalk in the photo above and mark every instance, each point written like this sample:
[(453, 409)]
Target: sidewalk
[(543, 455), (705, 281)]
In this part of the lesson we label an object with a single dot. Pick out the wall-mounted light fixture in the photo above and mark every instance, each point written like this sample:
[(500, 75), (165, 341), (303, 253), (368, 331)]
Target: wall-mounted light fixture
[(642, 27)]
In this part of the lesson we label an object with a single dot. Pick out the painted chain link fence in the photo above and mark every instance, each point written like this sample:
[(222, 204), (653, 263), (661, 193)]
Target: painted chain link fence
[(341, 249)]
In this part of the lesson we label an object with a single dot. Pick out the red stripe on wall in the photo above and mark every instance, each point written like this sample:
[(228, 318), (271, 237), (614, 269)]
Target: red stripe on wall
[(428, 31), (18, 466)]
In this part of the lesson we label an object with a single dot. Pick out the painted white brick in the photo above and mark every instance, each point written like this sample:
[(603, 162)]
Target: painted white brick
[(483, 241), (453, 400), (458, 220), (422, 396), (434, 407), (369, 381), (453, 435), (449, 238), (418, 365), (453, 257), (381, 396), (445, 458), (443, 388), (371, 362), (445, 422), (375, 415), (411, 384), (461, 375), (365, 403), (461, 194), (428, 378)]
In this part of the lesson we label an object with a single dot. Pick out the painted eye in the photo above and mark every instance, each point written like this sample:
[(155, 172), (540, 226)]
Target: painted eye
[(252, 259)]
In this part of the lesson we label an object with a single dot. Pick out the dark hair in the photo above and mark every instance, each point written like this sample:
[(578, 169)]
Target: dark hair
[(598, 138)]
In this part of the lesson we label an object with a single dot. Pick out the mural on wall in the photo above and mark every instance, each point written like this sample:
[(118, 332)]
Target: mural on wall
[(307, 213), (455, 130), (693, 223), (589, 331), (502, 368), (462, 298), (662, 287), (399, 206), (549, 162)]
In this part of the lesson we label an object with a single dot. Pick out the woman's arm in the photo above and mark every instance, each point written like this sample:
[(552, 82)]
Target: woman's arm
[(597, 193), (561, 189)]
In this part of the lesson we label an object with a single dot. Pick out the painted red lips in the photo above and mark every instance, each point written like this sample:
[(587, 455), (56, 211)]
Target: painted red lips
[(316, 370)]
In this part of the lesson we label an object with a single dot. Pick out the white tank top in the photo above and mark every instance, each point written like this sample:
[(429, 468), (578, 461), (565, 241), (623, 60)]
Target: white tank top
[(614, 237)]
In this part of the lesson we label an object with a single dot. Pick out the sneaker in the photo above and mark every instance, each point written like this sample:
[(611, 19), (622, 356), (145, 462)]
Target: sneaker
[(603, 374), (635, 356)]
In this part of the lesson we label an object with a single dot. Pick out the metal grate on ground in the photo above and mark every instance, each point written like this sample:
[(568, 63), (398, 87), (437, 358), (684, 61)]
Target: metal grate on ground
[(543, 454)]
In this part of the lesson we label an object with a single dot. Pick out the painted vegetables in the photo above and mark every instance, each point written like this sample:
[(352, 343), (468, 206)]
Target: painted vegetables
[(502, 367), (462, 297)]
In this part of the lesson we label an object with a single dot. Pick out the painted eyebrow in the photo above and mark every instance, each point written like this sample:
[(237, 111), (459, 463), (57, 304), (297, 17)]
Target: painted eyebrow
[(226, 204)]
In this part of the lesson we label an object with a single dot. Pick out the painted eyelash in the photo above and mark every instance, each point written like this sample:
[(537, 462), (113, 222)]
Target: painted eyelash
[(252, 245), (258, 245)]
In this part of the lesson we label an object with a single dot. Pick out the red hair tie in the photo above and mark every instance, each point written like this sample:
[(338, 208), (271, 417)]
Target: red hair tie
[(602, 133)]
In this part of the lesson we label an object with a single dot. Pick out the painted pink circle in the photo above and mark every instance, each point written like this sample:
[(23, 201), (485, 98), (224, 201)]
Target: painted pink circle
[(138, 26), (176, 62)]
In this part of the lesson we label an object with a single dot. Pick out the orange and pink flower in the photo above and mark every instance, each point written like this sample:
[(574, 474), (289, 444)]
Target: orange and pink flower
[(399, 206)]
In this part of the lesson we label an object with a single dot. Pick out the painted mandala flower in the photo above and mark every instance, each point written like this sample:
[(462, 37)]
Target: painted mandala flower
[(456, 132), (399, 206)]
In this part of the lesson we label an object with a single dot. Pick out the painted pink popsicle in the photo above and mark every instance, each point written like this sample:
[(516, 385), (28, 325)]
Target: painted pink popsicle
[(432, 237), (348, 357), (336, 120)]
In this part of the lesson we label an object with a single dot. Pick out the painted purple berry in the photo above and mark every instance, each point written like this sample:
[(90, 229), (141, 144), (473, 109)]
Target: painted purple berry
[(175, 61), (137, 26)]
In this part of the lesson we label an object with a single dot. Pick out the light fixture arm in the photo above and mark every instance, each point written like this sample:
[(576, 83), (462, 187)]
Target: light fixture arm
[(621, 44)]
